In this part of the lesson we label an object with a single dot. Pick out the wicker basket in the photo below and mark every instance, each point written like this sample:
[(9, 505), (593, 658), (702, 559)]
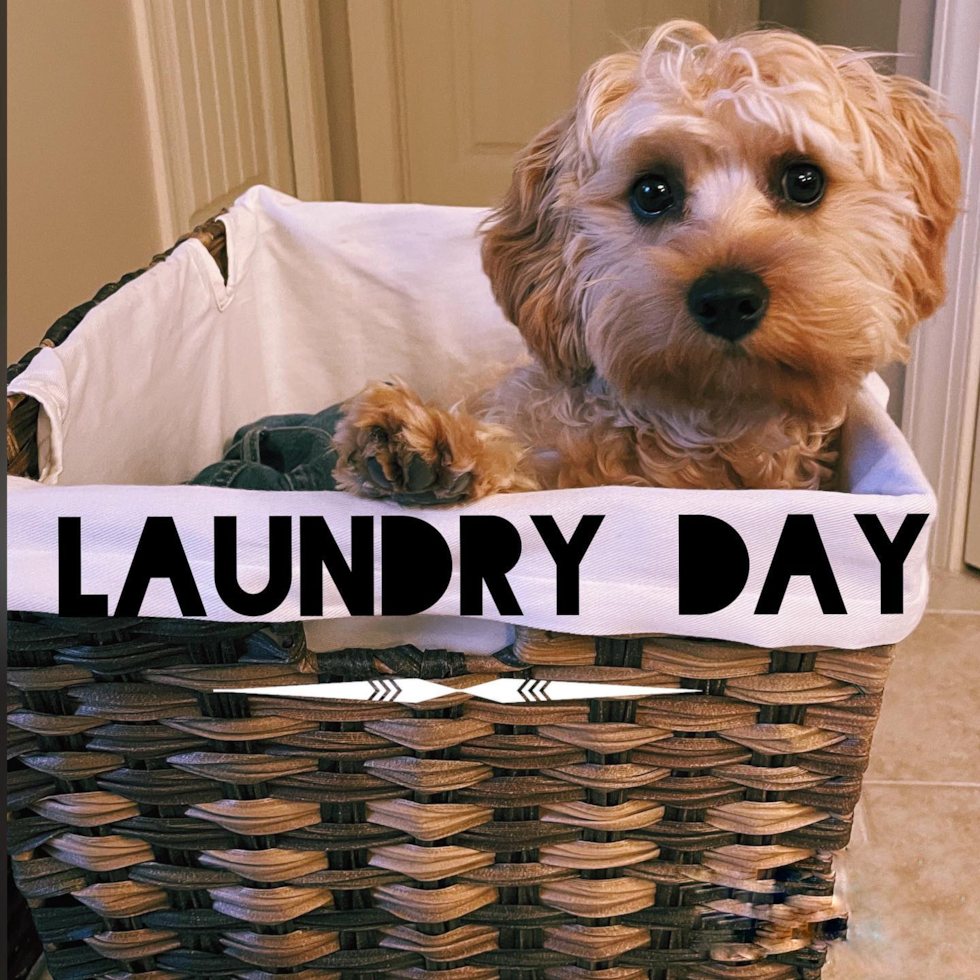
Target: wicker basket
[(160, 830)]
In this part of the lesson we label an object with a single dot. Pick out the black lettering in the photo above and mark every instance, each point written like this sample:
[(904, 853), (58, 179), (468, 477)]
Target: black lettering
[(891, 555), (160, 554), (318, 548), (567, 556), (489, 547), (254, 604), (713, 564), (71, 602), (416, 566), (800, 552)]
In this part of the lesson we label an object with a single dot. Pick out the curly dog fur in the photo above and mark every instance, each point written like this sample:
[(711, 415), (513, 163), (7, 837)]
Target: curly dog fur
[(624, 385)]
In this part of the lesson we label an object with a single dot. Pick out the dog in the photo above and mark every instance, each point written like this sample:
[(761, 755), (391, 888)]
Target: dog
[(705, 257)]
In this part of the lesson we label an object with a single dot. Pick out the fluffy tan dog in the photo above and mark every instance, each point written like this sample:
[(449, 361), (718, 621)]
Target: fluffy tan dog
[(705, 257)]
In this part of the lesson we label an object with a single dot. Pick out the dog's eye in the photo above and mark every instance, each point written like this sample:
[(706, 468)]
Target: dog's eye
[(803, 184), (651, 196)]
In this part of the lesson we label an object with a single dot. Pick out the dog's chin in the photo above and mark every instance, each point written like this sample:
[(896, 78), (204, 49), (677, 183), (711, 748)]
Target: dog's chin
[(717, 378)]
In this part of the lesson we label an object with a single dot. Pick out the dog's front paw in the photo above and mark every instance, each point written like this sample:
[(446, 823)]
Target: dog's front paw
[(391, 445), (395, 462)]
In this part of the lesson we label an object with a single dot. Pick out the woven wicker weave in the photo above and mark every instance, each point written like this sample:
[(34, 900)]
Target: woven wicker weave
[(163, 831)]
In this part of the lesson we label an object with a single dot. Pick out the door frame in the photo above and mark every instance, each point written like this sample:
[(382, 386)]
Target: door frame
[(378, 96), (942, 381), (306, 98)]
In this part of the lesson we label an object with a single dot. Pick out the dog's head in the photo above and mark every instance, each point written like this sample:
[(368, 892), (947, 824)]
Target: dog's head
[(756, 220)]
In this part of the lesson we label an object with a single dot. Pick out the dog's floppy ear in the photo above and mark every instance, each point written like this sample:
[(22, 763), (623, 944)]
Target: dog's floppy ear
[(922, 144), (523, 254)]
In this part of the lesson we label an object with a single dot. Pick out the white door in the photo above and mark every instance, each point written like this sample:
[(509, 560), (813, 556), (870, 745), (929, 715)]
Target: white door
[(446, 91)]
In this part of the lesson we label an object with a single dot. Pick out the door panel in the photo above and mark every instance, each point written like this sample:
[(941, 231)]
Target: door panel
[(447, 91)]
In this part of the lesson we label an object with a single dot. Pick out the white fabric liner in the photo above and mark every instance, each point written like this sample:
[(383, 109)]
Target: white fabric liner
[(322, 298)]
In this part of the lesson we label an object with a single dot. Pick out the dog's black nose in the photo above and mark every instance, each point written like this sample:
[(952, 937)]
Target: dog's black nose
[(728, 303)]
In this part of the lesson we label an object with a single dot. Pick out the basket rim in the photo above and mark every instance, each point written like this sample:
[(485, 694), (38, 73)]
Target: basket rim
[(22, 410)]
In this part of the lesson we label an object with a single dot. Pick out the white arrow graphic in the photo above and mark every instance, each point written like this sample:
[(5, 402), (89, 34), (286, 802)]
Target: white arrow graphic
[(504, 690), (410, 690), (514, 690)]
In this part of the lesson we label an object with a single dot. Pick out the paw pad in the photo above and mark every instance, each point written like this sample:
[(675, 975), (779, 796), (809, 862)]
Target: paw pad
[(390, 468)]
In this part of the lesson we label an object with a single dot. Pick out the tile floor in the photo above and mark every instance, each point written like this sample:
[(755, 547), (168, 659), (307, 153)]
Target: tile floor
[(911, 870), (913, 864)]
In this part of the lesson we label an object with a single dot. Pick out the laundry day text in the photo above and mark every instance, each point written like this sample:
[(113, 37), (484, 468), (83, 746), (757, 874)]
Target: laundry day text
[(416, 565)]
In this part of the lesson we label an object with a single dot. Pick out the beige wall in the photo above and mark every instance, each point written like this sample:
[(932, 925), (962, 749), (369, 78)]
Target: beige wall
[(865, 24), (81, 206)]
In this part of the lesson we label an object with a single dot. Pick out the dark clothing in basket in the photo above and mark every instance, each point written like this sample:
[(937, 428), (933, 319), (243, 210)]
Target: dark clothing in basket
[(279, 452), (295, 452)]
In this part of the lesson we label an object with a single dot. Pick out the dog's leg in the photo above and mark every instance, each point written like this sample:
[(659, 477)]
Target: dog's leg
[(391, 444)]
